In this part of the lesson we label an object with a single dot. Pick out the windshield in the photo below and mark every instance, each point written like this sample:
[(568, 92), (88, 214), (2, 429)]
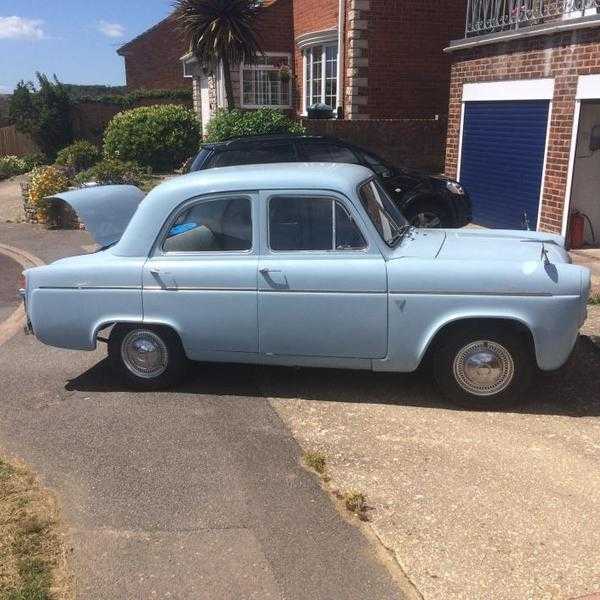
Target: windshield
[(383, 213)]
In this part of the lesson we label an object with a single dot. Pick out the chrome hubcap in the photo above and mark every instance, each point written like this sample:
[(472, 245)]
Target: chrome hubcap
[(484, 368), (144, 353), (427, 220)]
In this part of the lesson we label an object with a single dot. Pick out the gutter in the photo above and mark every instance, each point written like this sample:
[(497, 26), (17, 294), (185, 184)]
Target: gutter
[(519, 34)]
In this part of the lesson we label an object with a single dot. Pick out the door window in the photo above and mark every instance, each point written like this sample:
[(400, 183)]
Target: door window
[(305, 223), (212, 226)]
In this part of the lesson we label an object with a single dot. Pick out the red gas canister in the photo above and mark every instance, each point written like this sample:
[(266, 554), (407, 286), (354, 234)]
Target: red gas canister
[(576, 230)]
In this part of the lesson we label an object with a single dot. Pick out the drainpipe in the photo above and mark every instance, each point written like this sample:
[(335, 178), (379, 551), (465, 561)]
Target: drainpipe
[(341, 52)]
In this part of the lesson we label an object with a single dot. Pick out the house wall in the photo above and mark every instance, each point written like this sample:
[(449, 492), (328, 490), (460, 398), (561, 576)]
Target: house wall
[(408, 72), (152, 61), (563, 57)]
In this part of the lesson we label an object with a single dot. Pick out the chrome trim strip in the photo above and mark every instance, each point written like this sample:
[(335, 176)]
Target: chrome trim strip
[(503, 294), (90, 287), (154, 288)]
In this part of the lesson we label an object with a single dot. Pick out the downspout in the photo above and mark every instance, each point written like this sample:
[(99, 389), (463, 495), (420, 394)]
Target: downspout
[(341, 52)]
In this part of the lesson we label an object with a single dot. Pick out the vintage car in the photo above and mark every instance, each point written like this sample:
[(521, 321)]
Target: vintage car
[(307, 265)]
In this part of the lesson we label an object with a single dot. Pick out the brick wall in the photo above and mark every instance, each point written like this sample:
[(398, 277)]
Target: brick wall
[(408, 72), (152, 59), (415, 143), (563, 57)]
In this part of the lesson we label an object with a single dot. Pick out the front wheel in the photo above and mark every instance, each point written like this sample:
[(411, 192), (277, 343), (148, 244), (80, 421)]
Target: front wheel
[(147, 357), (487, 368)]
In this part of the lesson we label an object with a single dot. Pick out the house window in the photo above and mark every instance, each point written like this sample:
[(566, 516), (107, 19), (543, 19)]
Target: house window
[(320, 75), (267, 82)]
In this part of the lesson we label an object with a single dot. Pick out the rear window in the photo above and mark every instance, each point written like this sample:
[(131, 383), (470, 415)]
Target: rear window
[(254, 155), (328, 153)]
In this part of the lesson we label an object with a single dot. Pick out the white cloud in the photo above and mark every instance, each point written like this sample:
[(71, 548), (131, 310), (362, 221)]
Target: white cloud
[(20, 28), (113, 30)]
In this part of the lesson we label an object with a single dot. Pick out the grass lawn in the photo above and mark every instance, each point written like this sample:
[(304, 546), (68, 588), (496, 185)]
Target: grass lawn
[(33, 563)]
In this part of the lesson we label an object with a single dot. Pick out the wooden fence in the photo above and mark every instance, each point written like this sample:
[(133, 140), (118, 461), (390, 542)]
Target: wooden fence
[(13, 142)]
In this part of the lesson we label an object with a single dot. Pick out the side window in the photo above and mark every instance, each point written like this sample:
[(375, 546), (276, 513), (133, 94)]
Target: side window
[(254, 155), (212, 226), (329, 153), (304, 223)]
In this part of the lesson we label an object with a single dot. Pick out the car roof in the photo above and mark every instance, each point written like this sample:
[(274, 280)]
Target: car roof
[(162, 200), (254, 139)]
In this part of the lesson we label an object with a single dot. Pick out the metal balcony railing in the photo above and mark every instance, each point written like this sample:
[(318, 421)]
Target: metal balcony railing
[(489, 16)]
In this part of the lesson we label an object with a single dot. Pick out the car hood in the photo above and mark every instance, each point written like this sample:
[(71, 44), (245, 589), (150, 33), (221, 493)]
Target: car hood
[(104, 210), (502, 245)]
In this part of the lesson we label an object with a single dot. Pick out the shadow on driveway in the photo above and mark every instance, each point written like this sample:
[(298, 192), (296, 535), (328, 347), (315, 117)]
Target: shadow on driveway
[(574, 390)]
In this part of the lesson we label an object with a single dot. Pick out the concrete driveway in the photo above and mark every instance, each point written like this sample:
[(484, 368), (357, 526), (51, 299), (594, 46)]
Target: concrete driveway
[(196, 493), (474, 505)]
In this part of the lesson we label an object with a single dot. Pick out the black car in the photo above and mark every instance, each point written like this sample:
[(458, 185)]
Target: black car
[(425, 200)]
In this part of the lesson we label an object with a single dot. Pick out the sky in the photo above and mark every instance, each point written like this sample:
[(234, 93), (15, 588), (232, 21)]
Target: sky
[(74, 39)]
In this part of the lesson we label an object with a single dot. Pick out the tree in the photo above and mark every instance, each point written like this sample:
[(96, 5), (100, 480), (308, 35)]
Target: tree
[(44, 113), (220, 30)]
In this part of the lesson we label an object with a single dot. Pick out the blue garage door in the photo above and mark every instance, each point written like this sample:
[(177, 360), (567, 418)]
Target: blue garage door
[(502, 160)]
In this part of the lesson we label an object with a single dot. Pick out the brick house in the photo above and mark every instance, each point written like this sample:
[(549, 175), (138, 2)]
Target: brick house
[(152, 59), (365, 59), (524, 114)]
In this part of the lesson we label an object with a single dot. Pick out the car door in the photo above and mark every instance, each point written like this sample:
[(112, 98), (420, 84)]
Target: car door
[(322, 287), (201, 278)]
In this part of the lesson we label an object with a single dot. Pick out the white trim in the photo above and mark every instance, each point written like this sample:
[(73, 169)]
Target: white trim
[(314, 38), (460, 141), (543, 180), (521, 89), (588, 87), (258, 67), (340, 56), (323, 46), (571, 168)]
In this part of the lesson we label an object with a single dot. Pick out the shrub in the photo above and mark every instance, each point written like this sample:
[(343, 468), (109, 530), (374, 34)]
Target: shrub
[(46, 181), (79, 155), (227, 124), (36, 159), (12, 165), (112, 171), (44, 113), (160, 137)]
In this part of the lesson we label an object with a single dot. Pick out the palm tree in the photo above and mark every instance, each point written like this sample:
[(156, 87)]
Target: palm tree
[(220, 30)]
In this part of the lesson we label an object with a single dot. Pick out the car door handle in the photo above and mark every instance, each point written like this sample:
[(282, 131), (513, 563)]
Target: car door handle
[(266, 271), (158, 271)]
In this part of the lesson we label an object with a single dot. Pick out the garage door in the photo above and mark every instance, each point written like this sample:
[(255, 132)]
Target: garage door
[(502, 160)]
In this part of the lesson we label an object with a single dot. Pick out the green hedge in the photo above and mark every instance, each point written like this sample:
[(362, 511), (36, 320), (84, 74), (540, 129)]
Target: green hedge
[(79, 155), (161, 137), (227, 124), (130, 99)]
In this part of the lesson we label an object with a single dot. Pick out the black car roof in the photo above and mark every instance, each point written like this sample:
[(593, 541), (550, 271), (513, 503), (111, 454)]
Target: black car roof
[(253, 139)]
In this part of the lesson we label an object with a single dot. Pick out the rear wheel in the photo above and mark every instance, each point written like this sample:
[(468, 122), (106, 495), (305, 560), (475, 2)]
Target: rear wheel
[(147, 357), (427, 214), (484, 367)]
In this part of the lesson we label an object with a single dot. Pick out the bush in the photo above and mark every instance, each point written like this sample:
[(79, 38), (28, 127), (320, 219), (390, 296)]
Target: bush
[(12, 165), (112, 171), (160, 137), (227, 124), (44, 113), (78, 156), (17, 165), (46, 181)]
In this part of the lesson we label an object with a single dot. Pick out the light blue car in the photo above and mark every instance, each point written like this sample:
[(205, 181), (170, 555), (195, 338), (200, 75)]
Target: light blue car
[(308, 265)]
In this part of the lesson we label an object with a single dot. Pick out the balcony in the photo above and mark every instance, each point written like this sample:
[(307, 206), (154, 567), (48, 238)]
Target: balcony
[(494, 16)]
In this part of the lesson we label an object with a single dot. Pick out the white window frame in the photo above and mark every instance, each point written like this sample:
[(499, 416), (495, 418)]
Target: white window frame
[(266, 68), (306, 84)]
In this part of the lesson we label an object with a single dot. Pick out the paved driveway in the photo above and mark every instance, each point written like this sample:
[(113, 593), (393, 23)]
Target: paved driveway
[(10, 272), (196, 493)]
